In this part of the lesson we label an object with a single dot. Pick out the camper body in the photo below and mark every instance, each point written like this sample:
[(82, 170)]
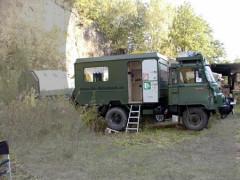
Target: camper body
[(186, 89), (121, 80)]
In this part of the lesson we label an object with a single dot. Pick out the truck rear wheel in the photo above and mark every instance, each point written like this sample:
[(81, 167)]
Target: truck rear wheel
[(195, 119), (116, 119)]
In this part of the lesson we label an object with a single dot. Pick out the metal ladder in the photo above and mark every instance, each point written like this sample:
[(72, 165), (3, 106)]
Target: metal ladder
[(133, 118)]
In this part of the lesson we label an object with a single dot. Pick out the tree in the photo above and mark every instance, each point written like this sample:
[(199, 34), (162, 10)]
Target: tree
[(120, 20), (158, 18), (237, 60), (191, 32), (156, 26), (131, 25)]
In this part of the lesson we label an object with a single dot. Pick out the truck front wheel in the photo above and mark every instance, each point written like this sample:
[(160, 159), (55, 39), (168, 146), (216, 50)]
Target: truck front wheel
[(195, 119), (116, 119)]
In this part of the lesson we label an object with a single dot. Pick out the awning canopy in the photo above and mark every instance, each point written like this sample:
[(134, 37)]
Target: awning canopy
[(226, 69), (229, 70)]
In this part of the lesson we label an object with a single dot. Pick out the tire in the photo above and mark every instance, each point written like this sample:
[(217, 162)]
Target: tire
[(198, 119), (116, 119)]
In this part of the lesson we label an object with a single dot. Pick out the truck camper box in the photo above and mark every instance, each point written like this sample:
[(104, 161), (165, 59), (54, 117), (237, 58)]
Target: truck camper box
[(121, 79)]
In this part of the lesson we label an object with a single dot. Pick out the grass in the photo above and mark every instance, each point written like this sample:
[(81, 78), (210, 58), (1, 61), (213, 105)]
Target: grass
[(237, 113), (50, 136), (156, 135), (27, 122)]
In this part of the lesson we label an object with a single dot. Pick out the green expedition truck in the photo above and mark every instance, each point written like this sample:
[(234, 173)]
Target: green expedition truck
[(186, 89)]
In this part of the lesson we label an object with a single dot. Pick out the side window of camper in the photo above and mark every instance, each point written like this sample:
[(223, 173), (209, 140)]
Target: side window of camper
[(96, 74)]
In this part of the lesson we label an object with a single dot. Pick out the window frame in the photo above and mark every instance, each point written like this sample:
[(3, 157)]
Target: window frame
[(94, 70), (195, 71)]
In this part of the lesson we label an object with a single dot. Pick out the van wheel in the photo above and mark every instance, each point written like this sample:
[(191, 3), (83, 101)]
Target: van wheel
[(116, 119), (195, 119)]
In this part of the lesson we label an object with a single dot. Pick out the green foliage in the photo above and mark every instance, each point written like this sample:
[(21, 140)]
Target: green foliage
[(237, 60), (90, 117), (191, 32), (155, 26), (119, 20), (159, 16), (25, 46), (130, 25)]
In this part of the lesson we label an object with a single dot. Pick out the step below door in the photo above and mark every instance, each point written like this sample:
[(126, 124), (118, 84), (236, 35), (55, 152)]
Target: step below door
[(150, 81)]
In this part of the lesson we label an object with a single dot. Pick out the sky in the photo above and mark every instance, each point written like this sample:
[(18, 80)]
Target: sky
[(224, 18)]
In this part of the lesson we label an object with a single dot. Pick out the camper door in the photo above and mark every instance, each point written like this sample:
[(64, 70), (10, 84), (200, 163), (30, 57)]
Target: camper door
[(150, 81)]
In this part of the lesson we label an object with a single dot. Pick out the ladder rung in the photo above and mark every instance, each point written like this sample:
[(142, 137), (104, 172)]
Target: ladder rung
[(133, 117), (133, 123), (135, 111), (132, 129)]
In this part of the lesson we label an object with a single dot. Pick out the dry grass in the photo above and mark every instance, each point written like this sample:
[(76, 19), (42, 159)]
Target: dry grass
[(49, 140), (29, 122)]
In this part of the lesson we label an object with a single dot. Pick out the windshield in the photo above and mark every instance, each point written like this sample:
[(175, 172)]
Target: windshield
[(209, 74)]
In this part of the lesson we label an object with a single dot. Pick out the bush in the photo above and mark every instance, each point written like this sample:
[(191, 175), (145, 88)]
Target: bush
[(92, 119), (29, 120)]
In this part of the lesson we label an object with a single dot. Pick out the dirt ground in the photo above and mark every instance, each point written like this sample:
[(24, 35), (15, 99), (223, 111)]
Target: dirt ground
[(209, 154)]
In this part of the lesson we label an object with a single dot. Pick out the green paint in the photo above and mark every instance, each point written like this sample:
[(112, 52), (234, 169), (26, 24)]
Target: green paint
[(116, 88), (205, 93)]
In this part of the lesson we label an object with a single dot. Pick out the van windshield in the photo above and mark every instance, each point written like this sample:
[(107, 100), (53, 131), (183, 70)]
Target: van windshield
[(209, 74)]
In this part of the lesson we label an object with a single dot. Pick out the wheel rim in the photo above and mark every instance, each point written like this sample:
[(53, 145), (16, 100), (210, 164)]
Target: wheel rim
[(195, 119), (116, 119), (159, 117)]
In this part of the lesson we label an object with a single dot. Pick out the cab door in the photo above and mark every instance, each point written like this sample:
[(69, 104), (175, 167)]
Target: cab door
[(192, 87), (150, 81), (173, 87)]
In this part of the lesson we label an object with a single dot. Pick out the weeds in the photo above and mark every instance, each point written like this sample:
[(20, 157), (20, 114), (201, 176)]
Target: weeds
[(45, 132), (158, 136), (91, 117), (28, 121)]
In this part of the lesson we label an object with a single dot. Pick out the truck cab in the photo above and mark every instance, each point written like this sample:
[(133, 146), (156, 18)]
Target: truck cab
[(193, 92)]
